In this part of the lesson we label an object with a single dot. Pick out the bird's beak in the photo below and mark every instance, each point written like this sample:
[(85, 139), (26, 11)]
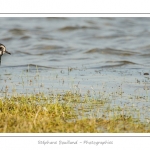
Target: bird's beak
[(8, 52)]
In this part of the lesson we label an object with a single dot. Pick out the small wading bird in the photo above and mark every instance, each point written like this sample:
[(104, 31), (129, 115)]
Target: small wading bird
[(3, 51)]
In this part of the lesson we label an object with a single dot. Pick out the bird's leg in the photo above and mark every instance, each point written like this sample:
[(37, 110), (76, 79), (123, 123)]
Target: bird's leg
[(0, 59)]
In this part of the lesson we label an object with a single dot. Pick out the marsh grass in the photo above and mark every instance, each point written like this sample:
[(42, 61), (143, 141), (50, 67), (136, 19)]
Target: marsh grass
[(63, 113), (43, 109)]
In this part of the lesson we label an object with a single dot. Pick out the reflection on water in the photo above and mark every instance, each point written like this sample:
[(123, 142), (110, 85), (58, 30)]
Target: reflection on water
[(95, 54)]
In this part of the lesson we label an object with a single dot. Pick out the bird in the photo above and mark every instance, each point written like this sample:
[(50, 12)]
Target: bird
[(3, 51)]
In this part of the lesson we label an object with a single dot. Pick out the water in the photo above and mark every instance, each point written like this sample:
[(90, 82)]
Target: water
[(106, 55)]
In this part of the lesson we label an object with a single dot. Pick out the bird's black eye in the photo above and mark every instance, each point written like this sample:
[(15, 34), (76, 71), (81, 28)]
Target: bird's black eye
[(1, 48)]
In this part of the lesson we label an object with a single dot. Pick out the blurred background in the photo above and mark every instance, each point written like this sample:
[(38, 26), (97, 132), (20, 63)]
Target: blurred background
[(104, 58), (85, 52), (63, 42)]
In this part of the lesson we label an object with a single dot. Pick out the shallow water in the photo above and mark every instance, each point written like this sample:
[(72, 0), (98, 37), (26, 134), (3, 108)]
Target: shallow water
[(110, 56)]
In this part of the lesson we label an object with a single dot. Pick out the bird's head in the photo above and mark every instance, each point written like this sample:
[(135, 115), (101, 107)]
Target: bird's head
[(3, 50)]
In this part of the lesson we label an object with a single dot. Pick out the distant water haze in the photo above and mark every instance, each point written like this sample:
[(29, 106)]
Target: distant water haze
[(72, 42)]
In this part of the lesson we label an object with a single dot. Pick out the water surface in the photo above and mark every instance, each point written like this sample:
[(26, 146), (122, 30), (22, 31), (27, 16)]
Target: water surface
[(110, 56)]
